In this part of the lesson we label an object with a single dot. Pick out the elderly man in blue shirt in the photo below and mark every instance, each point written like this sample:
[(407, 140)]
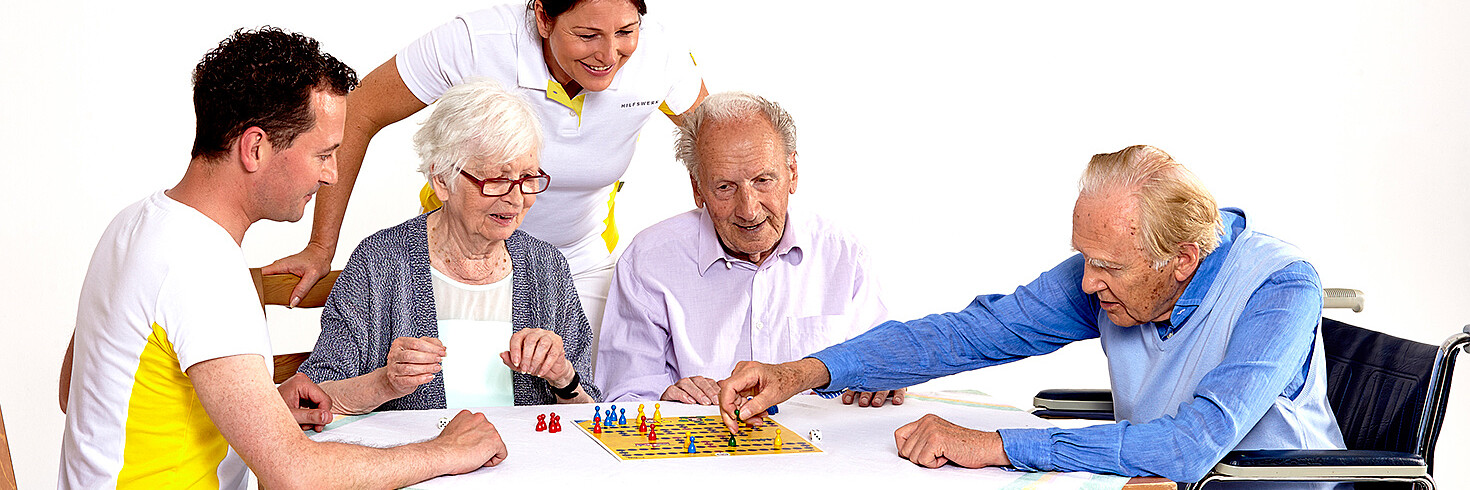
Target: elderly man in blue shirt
[(1209, 327)]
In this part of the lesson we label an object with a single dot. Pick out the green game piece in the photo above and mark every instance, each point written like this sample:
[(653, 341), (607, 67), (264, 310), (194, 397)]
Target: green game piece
[(732, 440)]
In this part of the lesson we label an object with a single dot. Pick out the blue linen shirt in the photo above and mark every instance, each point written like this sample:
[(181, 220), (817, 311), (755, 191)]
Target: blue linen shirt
[(1053, 311)]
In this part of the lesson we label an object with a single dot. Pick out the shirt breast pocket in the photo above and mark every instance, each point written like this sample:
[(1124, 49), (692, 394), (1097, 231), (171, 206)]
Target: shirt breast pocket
[(807, 335)]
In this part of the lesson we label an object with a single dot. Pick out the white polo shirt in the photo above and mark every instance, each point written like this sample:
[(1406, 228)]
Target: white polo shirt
[(587, 149)]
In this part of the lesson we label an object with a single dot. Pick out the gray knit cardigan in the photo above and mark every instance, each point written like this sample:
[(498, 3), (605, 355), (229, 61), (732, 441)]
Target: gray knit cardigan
[(385, 292)]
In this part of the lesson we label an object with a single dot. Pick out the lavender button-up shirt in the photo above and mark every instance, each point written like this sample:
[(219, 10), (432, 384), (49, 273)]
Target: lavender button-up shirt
[(680, 306)]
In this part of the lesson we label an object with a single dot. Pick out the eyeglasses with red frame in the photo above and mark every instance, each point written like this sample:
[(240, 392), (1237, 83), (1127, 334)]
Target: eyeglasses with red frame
[(496, 186)]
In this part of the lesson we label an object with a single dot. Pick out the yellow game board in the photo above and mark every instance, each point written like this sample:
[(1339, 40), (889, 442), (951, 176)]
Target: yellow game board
[(711, 438)]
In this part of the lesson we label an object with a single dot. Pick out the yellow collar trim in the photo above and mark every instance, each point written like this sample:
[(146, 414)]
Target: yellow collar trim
[(556, 93)]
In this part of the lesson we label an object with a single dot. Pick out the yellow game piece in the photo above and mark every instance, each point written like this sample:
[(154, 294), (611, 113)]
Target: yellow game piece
[(658, 418), (778, 438)]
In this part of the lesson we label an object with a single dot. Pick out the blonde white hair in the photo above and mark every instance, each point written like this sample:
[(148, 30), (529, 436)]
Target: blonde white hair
[(475, 121), (1174, 205)]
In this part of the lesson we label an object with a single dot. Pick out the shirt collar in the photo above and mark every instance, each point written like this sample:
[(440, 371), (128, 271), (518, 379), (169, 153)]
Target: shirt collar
[(711, 253), (1233, 221), (531, 70)]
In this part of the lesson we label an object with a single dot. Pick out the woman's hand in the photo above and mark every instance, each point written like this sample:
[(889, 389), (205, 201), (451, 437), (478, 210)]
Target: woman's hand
[(412, 361), (311, 264), (539, 352)]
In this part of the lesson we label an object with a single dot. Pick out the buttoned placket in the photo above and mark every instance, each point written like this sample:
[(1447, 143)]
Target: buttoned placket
[(758, 313)]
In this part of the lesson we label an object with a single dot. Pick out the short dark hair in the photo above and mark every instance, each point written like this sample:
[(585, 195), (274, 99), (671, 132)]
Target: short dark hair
[(261, 78), (554, 8)]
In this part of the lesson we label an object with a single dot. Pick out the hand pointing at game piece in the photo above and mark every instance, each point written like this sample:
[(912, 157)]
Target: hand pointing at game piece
[(767, 385)]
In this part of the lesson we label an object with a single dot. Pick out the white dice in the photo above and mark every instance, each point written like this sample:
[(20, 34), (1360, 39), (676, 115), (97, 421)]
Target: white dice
[(815, 435), (443, 421)]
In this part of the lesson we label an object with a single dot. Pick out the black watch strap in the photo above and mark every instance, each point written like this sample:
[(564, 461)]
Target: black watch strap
[(570, 391)]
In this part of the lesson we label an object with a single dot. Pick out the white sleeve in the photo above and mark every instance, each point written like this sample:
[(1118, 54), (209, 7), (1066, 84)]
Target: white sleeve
[(437, 61), (210, 309), (682, 72)]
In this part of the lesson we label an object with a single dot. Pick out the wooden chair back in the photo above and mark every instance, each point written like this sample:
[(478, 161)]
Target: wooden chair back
[(7, 467), (275, 289)]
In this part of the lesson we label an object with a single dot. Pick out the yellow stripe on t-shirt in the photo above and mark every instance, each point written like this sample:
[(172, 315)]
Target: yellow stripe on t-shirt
[(610, 234), (169, 440)]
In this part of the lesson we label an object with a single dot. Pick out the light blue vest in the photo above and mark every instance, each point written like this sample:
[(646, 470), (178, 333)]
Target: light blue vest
[(1152, 377)]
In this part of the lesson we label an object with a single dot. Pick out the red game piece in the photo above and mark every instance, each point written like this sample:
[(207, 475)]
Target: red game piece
[(652, 434), (555, 423), (642, 427), (596, 425), (540, 422)]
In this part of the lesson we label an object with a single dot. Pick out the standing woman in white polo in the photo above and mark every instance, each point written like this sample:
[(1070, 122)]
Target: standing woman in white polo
[(593, 70)]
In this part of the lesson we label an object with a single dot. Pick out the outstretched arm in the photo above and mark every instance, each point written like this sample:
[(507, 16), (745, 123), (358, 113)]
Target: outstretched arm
[(1036, 319), (237, 394), (1268, 353)]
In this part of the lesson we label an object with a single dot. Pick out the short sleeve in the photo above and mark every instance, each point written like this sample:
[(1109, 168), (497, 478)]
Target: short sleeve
[(682, 71), (209, 308), (437, 61)]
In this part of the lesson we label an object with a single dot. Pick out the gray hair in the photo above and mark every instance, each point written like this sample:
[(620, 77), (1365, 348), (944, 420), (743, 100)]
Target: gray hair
[(1174, 205), (724, 106), (475, 120)]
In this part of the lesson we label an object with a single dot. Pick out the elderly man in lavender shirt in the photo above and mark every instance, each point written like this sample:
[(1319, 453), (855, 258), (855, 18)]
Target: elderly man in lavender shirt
[(742, 277)]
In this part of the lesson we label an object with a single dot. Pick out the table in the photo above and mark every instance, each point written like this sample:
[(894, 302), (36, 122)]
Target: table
[(857, 446)]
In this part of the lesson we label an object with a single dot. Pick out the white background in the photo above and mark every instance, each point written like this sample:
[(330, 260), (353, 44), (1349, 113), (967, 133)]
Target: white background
[(948, 135)]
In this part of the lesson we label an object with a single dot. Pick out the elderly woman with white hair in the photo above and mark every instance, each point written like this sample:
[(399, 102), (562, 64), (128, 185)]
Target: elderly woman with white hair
[(418, 315)]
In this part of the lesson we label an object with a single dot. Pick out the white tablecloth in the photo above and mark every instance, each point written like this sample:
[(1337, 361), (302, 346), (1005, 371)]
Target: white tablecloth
[(857, 445)]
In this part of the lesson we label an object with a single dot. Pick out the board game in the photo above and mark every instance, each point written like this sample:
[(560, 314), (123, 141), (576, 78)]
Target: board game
[(711, 438)]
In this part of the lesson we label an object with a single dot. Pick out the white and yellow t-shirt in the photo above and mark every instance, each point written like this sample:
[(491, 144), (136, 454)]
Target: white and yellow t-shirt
[(167, 288)]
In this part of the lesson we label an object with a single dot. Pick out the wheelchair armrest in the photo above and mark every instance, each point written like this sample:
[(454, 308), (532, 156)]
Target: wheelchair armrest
[(1342, 298), (1320, 463), (1078, 404)]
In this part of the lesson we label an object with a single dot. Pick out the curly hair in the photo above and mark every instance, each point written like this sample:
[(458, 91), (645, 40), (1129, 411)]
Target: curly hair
[(261, 78)]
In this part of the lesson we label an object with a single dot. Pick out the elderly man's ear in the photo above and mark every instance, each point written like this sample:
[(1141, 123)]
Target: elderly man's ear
[(791, 164), (694, 185), (1188, 261)]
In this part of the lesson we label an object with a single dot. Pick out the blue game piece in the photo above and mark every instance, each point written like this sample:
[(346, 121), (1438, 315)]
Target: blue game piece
[(622, 416), (772, 410), (610, 419)]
